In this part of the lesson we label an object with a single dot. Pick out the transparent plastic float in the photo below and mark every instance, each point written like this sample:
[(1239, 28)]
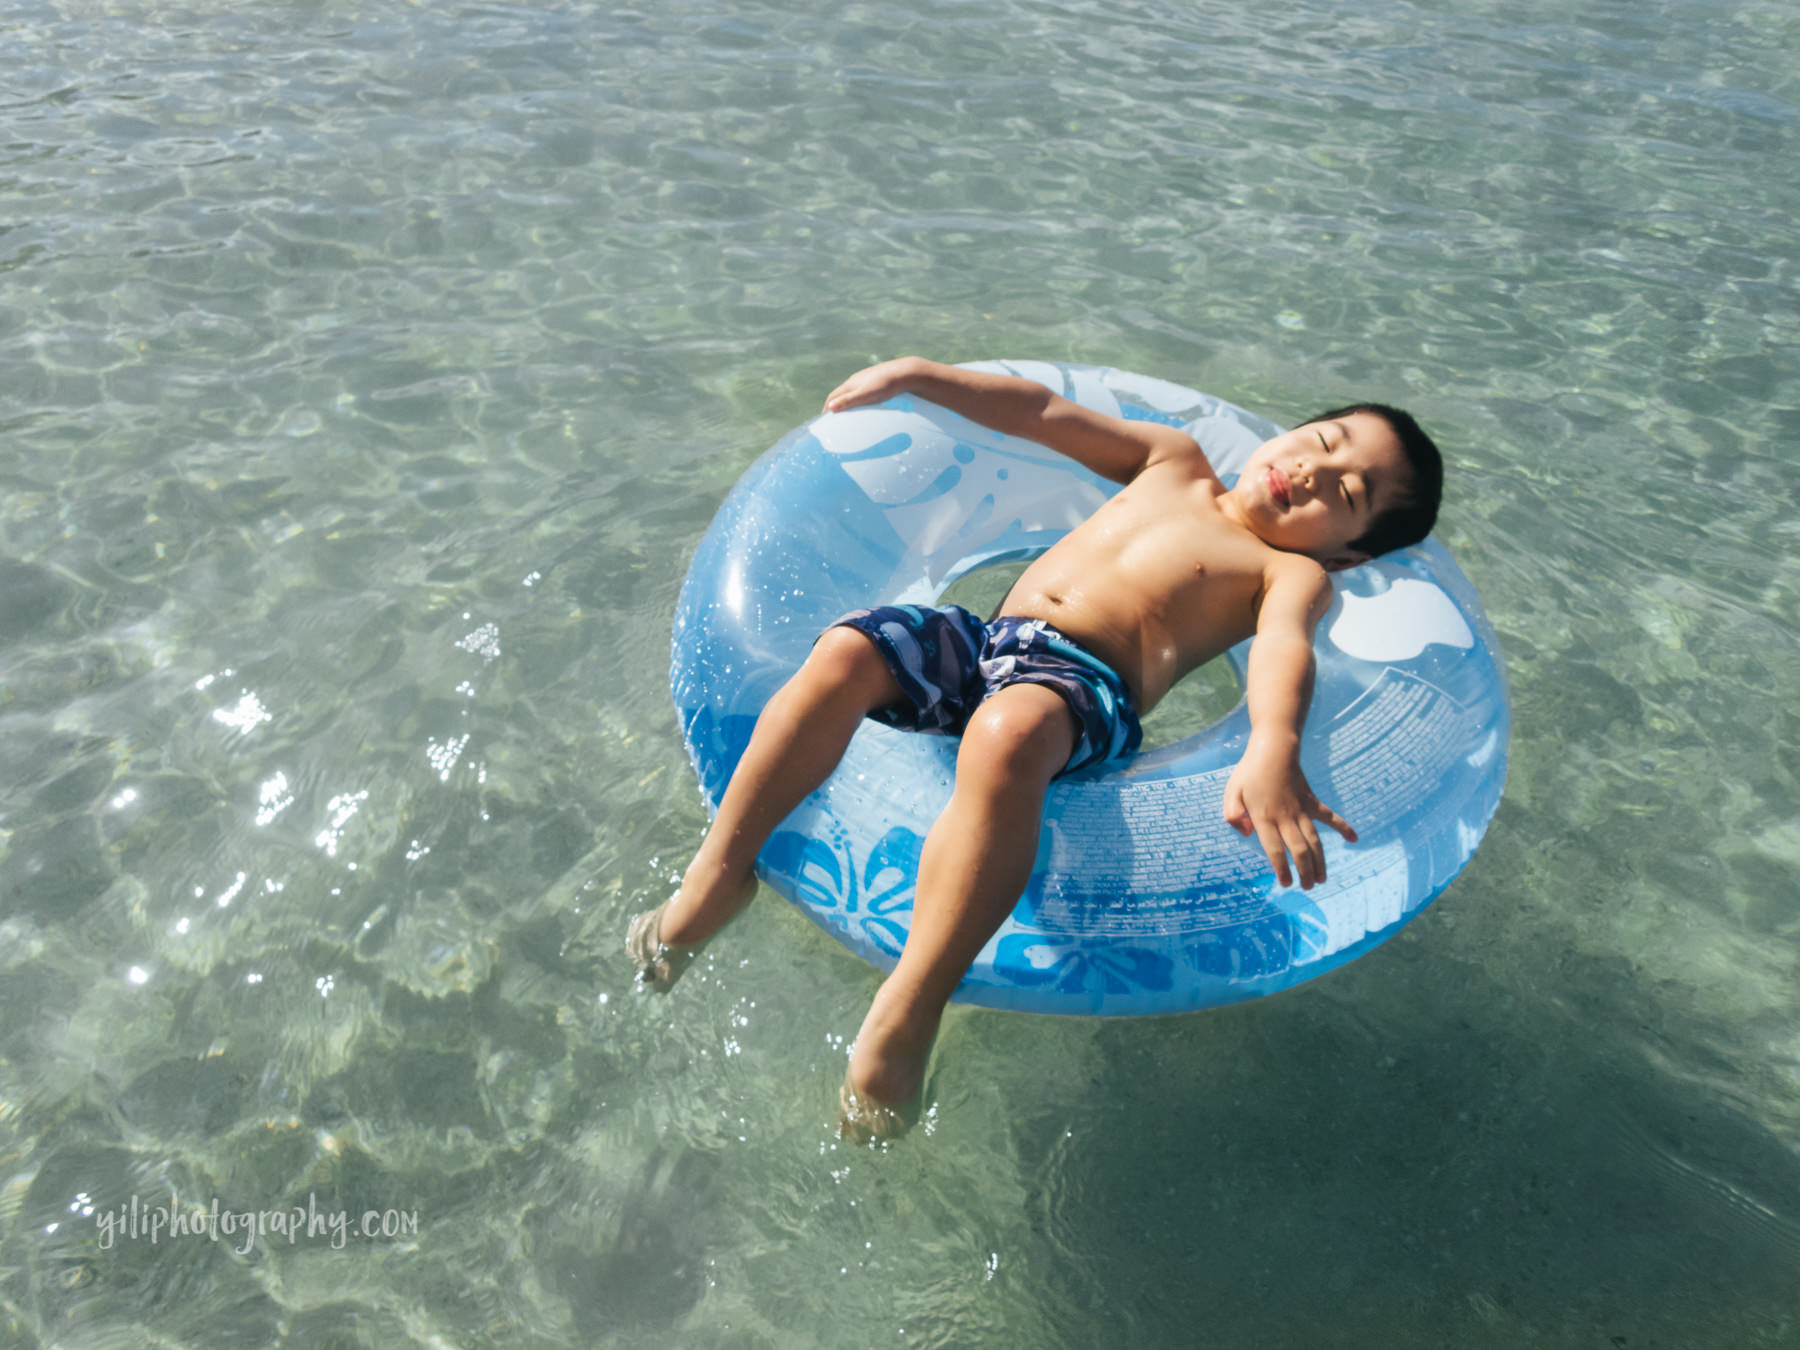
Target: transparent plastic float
[(1141, 899)]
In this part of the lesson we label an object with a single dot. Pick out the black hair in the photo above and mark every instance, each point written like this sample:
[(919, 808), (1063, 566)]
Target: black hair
[(1409, 520)]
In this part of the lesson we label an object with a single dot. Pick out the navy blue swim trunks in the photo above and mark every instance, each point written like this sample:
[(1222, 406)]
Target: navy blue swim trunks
[(947, 661)]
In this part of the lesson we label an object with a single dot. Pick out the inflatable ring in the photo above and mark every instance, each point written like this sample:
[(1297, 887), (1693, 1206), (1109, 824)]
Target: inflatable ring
[(1141, 900)]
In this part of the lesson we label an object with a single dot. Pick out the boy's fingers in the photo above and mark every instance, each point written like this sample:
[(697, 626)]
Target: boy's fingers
[(1303, 843), (1313, 870), (855, 393), (1235, 815), (844, 396), (1277, 851), (1323, 812)]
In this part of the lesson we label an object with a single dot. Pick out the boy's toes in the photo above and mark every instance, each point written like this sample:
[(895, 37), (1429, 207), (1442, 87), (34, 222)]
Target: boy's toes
[(657, 964), (643, 944), (864, 1120)]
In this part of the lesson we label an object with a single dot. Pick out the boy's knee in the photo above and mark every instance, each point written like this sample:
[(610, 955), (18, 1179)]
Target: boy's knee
[(1024, 731), (848, 659)]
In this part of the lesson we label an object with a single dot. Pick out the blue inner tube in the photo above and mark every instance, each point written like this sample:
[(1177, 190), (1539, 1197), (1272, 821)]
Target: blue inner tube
[(1142, 900)]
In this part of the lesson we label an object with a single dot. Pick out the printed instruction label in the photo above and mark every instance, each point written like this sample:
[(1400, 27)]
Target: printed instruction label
[(1156, 858), (1391, 747)]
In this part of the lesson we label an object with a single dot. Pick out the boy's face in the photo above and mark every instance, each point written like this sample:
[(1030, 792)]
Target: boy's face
[(1315, 488)]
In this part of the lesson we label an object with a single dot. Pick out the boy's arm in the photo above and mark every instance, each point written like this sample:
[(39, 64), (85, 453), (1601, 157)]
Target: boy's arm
[(1111, 446), (1267, 793)]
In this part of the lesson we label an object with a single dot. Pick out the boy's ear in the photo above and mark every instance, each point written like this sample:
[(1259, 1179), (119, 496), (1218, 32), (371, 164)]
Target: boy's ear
[(1341, 562)]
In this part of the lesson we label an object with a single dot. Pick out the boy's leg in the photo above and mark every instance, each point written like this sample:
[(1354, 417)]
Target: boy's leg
[(799, 739), (976, 861)]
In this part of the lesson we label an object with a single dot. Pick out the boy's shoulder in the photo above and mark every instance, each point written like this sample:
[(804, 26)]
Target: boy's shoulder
[(1175, 450), (1293, 581)]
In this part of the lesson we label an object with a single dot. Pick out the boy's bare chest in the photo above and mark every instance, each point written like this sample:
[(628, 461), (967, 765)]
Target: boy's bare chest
[(1157, 581), (1173, 545)]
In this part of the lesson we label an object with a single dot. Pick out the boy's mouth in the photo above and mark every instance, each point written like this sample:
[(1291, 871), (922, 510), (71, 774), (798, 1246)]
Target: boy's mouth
[(1280, 489)]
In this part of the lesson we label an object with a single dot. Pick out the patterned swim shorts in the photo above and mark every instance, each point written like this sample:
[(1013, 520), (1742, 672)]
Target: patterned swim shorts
[(947, 661)]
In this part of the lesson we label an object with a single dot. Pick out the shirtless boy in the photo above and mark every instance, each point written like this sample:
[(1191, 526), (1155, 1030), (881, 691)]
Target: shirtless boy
[(1170, 572)]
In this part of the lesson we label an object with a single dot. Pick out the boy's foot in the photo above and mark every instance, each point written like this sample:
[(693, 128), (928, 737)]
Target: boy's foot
[(892, 1060), (658, 964), (864, 1120)]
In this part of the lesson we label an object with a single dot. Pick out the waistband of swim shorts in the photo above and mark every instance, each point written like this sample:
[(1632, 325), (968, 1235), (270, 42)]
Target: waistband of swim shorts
[(1067, 647)]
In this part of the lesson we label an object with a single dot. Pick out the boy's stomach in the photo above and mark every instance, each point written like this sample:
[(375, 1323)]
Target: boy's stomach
[(1140, 648), (1151, 630), (1154, 586)]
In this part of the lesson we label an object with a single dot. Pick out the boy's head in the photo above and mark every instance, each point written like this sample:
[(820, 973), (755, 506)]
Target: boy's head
[(1409, 520), (1344, 486)]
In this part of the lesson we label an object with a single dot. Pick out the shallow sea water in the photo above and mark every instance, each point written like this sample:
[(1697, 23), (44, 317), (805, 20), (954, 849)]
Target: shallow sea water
[(368, 373)]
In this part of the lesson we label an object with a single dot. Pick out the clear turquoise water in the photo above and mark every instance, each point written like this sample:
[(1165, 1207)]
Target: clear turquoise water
[(367, 374)]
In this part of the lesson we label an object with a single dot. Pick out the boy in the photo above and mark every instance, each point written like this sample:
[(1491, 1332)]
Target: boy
[(1170, 572)]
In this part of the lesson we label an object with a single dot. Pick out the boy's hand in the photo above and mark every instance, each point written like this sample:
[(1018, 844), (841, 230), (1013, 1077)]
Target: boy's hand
[(1268, 795), (873, 384)]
